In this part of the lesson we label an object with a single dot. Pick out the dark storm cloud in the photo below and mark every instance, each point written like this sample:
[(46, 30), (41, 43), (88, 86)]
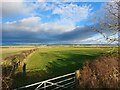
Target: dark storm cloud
[(26, 36), (80, 33)]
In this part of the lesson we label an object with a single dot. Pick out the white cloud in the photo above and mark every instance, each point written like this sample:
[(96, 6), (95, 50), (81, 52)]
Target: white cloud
[(14, 8), (68, 12), (72, 12), (30, 21), (33, 24), (27, 24), (56, 28)]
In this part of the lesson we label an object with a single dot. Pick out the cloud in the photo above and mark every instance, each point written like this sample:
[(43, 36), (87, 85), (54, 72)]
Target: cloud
[(27, 24), (12, 8), (62, 28), (72, 12), (78, 34), (32, 30), (34, 24), (68, 12)]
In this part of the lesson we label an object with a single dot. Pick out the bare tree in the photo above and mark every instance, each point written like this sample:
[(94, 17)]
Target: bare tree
[(107, 21)]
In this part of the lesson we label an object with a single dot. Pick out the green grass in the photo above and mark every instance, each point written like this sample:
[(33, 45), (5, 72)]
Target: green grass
[(48, 62), (61, 56)]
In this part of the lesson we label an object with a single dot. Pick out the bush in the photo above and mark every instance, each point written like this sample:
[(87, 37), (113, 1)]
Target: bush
[(102, 73)]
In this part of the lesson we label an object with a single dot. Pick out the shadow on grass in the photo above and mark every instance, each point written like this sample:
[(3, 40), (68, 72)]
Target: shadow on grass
[(31, 77), (63, 65), (70, 64)]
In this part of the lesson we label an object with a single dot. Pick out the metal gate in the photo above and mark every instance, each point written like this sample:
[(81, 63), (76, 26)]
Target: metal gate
[(57, 83)]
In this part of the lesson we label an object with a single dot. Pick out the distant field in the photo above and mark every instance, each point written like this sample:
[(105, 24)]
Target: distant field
[(51, 61), (10, 50)]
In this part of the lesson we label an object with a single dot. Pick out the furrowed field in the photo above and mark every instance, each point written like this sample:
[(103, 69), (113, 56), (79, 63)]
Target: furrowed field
[(51, 61)]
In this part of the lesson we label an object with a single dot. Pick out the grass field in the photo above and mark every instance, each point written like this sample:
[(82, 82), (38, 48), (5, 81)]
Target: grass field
[(46, 57), (52, 61), (10, 50)]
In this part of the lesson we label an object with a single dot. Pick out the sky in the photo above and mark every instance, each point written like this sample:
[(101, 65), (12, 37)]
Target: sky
[(41, 22)]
